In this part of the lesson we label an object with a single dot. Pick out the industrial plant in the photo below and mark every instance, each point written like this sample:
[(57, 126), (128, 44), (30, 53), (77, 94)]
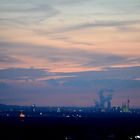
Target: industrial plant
[(105, 97)]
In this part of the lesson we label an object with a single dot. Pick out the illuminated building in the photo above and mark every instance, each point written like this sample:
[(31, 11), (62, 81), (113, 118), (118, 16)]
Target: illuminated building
[(125, 107)]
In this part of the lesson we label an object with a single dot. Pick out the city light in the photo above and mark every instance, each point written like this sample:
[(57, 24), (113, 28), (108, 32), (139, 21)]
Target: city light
[(137, 137), (22, 115)]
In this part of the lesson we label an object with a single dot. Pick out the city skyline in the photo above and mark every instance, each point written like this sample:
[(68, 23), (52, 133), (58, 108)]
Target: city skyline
[(63, 52)]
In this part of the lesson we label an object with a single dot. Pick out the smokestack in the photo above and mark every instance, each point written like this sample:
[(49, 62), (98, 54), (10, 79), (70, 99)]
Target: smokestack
[(128, 102)]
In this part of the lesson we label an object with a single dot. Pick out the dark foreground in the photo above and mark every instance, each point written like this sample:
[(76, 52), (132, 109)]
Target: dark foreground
[(97, 127)]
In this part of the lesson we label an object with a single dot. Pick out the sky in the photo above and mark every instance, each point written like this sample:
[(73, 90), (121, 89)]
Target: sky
[(63, 52)]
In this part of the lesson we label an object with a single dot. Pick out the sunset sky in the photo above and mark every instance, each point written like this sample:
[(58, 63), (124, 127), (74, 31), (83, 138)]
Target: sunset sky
[(63, 52)]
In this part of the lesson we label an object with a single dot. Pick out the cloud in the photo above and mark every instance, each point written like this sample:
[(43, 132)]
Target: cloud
[(18, 73), (99, 24), (25, 75), (25, 13), (68, 64), (83, 86), (54, 58), (116, 78), (74, 78), (7, 59)]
